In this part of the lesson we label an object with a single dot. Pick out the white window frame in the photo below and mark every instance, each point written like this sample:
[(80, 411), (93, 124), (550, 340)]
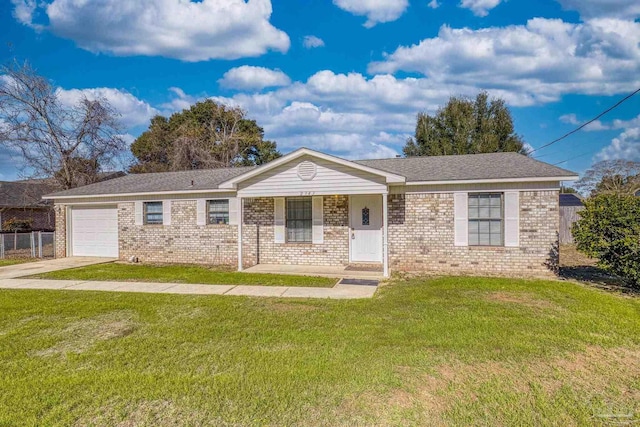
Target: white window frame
[(145, 213), (286, 219), (471, 219), (208, 212)]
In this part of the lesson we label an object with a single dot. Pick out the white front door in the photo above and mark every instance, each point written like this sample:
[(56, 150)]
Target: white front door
[(366, 228)]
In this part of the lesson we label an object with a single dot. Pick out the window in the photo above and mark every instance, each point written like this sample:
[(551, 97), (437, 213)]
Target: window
[(299, 219), (365, 216), (485, 219), (153, 212), (218, 211)]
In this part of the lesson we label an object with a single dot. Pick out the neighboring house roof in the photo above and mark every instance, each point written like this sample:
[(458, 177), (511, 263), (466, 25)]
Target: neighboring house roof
[(436, 169), (24, 194), (468, 167), (570, 199)]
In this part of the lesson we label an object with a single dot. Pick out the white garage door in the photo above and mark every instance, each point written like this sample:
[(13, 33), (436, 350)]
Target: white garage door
[(94, 232)]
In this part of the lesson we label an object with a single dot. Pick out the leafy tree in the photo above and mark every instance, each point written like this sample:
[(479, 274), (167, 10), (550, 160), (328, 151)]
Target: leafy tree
[(611, 177), (56, 139), (609, 230), (465, 126), (207, 135)]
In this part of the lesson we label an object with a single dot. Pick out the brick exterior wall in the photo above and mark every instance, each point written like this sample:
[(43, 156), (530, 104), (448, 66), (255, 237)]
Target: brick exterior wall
[(181, 242), (259, 243), (421, 234), (421, 237), (60, 240)]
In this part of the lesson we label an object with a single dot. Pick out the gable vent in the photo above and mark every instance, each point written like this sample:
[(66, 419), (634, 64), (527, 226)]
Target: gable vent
[(306, 171)]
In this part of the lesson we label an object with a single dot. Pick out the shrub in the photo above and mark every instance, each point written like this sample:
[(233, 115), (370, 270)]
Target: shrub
[(609, 229), (15, 224)]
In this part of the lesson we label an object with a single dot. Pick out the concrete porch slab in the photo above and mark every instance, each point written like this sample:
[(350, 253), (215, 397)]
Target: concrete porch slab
[(336, 272)]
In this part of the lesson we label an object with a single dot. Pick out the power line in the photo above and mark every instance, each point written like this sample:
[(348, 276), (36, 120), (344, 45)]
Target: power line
[(577, 157), (616, 105)]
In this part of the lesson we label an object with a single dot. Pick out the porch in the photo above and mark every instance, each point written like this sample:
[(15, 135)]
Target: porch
[(338, 272)]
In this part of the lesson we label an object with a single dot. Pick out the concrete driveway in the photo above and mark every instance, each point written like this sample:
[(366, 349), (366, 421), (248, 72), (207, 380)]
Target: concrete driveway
[(38, 267)]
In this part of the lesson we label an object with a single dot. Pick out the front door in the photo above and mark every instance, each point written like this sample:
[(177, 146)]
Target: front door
[(366, 228)]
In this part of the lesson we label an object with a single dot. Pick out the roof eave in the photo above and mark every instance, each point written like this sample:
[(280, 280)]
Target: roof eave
[(53, 196), (494, 180)]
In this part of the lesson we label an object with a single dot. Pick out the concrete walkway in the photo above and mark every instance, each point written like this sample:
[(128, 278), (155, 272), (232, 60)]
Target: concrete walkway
[(39, 267), (339, 291)]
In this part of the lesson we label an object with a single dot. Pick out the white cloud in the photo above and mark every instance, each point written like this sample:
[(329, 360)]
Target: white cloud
[(479, 7), (185, 30), (433, 4), (253, 78), (572, 119), (376, 11), (626, 146), (134, 112), (542, 60), (350, 115), (310, 42), (622, 9)]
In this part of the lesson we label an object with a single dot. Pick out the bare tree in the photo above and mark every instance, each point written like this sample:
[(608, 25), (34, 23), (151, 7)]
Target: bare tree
[(69, 143), (611, 177)]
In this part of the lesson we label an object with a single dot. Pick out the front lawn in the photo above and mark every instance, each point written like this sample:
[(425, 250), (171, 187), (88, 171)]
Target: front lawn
[(440, 351), (12, 261), (183, 274)]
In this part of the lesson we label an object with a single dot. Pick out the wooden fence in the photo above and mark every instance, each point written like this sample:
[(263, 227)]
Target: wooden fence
[(568, 215)]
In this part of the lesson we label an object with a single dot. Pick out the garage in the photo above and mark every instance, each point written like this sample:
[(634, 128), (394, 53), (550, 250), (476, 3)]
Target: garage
[(94, 231)]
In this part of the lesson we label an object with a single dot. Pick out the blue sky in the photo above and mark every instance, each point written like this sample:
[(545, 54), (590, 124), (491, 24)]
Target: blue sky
[(346, 77)]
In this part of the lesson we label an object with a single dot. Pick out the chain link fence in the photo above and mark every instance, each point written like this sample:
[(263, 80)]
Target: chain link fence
[(32, 244)]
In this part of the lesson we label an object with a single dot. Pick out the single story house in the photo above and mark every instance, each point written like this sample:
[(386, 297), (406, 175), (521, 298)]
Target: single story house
[(485, 213)]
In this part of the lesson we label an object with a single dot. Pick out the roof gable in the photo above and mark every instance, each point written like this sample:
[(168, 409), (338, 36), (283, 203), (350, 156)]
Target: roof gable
[(389, 177)]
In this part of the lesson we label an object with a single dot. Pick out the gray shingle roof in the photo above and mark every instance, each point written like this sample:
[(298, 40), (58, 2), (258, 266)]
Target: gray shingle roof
[(23, 194), (468, 167), (436, 168), (204, 179), (570, 200)]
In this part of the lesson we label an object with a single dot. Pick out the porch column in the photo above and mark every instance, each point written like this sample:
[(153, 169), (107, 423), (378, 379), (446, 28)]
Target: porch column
[(240, 221), (385, 242)]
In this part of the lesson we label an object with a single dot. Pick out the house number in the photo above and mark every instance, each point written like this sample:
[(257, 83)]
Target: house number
[(307, 193)]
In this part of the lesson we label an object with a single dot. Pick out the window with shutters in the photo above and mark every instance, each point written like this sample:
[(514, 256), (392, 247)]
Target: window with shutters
[(299, 219), (153, 212), (486, 219), (218, 211)]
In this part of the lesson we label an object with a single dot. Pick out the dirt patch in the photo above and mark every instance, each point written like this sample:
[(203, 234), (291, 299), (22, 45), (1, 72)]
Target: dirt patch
[(83, 334), (571, 257), (589, 373), (521, 298), (456, 388), (576, 266)]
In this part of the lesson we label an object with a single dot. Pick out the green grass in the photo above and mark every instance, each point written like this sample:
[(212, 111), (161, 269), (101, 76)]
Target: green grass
[(12, 261), (442, 351), (183, 274)]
